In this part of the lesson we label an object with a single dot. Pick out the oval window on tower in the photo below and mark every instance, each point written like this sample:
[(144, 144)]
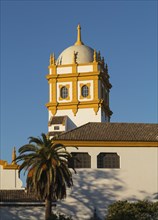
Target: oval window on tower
[(85, 91), (64, 92)]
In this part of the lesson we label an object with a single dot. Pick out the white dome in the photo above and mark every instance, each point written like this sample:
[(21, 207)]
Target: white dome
[(84, 54)]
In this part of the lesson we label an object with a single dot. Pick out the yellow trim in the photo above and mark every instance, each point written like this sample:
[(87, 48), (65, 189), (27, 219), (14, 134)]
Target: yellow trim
[(79, 78), (79, 42), (52, 65), (70, 64), (52, 59), (53, 72), (68, 88), (78, 143), (53, 110), (53, 93), (88, 85), (95, 63), (74, 69), (94, 56), (70, 76), (75, 96), (14, 156), (70, 104), (3, 162), (75, 92), (95, 87), (7, 166), (64, 65), (74, 106), (74, 78), (75, 110)]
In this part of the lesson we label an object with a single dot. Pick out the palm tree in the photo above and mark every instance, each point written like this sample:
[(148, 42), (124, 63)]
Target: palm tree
[(48, 173)]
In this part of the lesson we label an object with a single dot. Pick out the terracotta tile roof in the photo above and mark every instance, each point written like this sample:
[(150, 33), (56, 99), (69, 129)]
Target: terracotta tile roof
[(57, 120), (17, 196), (96, 131)]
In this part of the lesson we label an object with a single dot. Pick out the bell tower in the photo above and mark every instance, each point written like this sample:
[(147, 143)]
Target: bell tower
[(79, 88)]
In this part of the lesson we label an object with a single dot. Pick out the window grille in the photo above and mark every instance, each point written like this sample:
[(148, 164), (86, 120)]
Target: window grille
[(56, 128), (64, 92), (85, 91), (108, 160), (80, 160)]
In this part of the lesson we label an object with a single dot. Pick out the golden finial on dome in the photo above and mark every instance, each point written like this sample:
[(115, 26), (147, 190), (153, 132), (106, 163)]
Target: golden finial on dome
[(95, 56), (14, 156), (52, 59), (79, 42)]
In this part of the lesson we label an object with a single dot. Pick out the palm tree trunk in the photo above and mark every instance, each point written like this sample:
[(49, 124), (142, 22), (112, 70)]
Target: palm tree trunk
[(48, 207)]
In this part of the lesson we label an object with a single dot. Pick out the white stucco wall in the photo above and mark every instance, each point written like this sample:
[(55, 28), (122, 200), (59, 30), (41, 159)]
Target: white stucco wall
[(9, 179), (83, 116), (68, 69), (22, 212), (137, 179), (82, 69), (64, 70), (61, 127)]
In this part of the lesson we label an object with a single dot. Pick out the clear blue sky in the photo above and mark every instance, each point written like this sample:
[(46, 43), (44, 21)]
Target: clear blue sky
[(124, 31)]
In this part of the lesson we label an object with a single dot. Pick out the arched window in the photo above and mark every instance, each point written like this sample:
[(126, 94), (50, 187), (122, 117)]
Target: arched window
[(80, 160), (64, 92), (108, 160), (85, 91)]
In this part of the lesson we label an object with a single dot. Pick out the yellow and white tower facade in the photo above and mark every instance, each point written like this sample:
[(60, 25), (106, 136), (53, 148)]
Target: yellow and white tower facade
[(79, 88)]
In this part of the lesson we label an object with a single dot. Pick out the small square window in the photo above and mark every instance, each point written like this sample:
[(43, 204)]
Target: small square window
[(56, 128)]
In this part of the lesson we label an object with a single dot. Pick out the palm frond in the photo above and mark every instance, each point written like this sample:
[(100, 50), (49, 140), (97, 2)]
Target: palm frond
[(36, 141), (46, 165), (27, 148)]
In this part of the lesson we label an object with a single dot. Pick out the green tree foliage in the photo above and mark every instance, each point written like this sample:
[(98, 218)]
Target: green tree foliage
[(48, 174), (141, 210)]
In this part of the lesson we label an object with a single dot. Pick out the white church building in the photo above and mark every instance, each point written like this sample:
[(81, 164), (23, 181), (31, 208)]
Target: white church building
[(115, 161)]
